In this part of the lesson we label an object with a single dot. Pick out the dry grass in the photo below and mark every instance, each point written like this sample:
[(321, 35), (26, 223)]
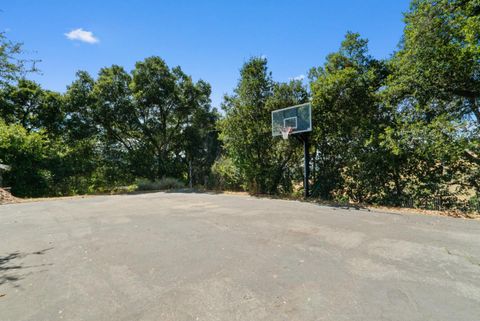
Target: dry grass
[(7, 198)]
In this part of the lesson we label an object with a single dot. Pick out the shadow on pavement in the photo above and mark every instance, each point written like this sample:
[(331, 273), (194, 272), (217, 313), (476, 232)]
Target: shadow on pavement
[(273, 197), (12, 270)]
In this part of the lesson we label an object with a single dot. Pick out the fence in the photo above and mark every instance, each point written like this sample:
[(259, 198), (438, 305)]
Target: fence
[(443, 203)]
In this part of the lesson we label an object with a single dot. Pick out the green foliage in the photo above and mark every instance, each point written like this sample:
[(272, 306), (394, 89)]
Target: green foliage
[(226, 175), (440, 54), (245, 129), (30, 156), (32, 107), (166, 183), (78, 108), (345, 94), (474, 204), (44, 166), (12, 66), (388, 132), (428, 156), (103, 133), (434, 90), (400, 131), (154, 125)]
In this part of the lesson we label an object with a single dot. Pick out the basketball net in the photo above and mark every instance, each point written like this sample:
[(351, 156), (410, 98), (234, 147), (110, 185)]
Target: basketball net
[(286, 131)]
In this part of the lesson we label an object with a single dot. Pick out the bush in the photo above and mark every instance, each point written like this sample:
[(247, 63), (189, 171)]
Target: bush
[(474, 204), (161, 184), (30, 156), (226, 175)]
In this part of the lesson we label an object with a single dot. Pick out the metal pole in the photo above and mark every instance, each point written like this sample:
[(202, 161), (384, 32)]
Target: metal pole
[(314, 165), (306, 159), (190, 174)]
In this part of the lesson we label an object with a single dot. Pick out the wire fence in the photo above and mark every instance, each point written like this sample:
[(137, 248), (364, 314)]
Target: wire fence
[(443, 203)]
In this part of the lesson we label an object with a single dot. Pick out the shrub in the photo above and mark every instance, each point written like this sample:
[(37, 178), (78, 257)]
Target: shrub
[(29, 155), (474, 204), (226, 175), (160, 184)]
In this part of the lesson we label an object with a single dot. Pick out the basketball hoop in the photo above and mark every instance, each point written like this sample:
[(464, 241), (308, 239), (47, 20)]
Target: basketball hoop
[(295, 120), (286, 131)]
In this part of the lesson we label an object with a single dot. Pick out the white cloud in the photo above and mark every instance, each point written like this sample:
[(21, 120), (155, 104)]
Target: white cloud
[(299, 77), (82, 35)]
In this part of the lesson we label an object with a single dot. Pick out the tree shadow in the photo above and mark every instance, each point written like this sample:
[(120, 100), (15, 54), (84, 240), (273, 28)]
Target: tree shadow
[(13, 270), (343, 206), (193, 191), (185, 190), (311, 200), (314, 201)]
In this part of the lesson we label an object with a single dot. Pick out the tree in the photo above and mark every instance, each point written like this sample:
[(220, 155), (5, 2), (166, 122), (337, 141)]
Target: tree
[(12, 66), (427, 157), (201, 144), (156, 122), (114, 113), (32, 107), (440, 54), (83, 156), (22, 104), (246, 128), (286, 158), (79, 102), (166, 101), (349, 117), (30, 156), (435, 79)]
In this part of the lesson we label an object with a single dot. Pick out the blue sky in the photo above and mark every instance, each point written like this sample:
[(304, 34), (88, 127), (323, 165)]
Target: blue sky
[(208, 39)]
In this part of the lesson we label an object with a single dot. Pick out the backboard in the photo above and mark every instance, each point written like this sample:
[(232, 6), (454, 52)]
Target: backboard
[(295, 119)]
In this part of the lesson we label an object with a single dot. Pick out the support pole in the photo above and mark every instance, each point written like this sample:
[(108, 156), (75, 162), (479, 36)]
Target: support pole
[(306, 165), (190, 174)]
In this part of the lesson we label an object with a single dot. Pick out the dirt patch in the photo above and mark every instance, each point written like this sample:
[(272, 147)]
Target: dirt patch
[(7, 198)]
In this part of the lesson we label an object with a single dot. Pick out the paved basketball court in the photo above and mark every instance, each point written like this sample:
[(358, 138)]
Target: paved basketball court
[(173, 256)]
